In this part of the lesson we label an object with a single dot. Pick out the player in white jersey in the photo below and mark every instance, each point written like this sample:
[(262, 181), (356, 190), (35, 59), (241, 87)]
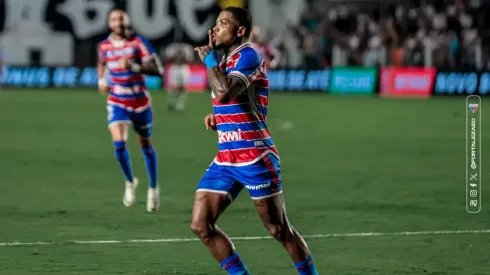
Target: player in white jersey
[(178, 56), (267, 50)]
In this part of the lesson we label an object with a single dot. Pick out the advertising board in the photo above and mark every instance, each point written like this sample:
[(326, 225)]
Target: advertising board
[(406, 81), (353, 80)]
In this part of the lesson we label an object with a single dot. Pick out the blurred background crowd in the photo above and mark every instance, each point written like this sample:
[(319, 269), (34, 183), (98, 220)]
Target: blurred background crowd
[(444, 34), (419, 33), (309, 34)]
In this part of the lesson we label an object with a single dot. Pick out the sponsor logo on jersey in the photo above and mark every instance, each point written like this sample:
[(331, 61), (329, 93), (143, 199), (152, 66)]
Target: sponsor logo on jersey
[(233, 61), (229, 136), (121, 52)]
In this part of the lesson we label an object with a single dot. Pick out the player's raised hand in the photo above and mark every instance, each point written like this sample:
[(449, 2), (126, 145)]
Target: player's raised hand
[(209, 122), (203, 51)]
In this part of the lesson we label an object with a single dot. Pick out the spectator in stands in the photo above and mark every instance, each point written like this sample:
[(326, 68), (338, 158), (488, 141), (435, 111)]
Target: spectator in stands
[(442, 33), (266, 49)]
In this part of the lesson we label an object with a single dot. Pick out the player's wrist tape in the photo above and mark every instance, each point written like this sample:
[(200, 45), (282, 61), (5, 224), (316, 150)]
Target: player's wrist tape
[(136, 68), (211, 60), (102, 82)]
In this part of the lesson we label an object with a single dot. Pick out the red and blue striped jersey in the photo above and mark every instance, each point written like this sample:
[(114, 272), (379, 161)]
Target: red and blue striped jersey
[(243, 137), (127, 89)]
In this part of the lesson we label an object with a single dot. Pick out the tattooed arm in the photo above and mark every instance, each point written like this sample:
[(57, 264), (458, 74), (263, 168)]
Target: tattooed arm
[(225, 88)]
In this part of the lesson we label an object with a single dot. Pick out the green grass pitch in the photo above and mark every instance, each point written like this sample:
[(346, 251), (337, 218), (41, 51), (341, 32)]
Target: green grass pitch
[(350, 165)]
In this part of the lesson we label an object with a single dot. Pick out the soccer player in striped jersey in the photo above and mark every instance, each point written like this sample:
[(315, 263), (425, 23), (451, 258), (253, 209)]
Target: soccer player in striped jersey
[(247, 156), (127, 58)]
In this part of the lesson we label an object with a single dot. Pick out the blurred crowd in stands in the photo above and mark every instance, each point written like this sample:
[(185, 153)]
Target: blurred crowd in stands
[(444, 34)]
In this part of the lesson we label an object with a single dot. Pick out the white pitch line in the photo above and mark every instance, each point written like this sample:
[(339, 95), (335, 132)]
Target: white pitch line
[(317, 236)]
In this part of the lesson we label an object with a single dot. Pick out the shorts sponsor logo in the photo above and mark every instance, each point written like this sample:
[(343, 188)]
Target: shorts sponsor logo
[(258, 187), (147, 126)]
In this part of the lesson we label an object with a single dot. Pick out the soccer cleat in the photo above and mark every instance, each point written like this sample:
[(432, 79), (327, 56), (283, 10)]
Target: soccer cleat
[(180, 104), (153, 200), (130, 192), (179, 107)]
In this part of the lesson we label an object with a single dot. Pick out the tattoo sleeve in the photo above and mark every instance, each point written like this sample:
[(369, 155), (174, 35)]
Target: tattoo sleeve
[(225, 88)]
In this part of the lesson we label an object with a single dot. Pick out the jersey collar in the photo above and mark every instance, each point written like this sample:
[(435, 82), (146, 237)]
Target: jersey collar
[(116, 43), (239, 48)]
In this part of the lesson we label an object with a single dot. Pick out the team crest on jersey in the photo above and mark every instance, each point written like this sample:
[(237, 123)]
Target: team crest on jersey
[(473, 107), (121, 52), (233, 61)]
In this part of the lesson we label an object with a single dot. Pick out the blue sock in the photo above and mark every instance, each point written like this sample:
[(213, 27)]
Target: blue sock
[(122, 156), (306, 267), (151, 164), (234, 265)]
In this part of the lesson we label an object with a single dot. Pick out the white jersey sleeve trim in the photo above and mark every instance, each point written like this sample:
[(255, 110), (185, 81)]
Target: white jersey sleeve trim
[(240, 75)]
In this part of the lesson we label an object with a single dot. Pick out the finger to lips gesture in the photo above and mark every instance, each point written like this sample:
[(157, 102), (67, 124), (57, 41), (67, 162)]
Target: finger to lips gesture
[(203, 51)]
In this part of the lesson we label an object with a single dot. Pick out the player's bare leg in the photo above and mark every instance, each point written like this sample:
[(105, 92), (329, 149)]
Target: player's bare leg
[(208, 206), (119, 133), (176, 98), (171, 99), (181, 98), (153, 195), (272, 212)]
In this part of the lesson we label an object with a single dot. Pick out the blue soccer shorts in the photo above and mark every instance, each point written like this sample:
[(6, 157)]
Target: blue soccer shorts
[(262, 179), (142, 121)]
